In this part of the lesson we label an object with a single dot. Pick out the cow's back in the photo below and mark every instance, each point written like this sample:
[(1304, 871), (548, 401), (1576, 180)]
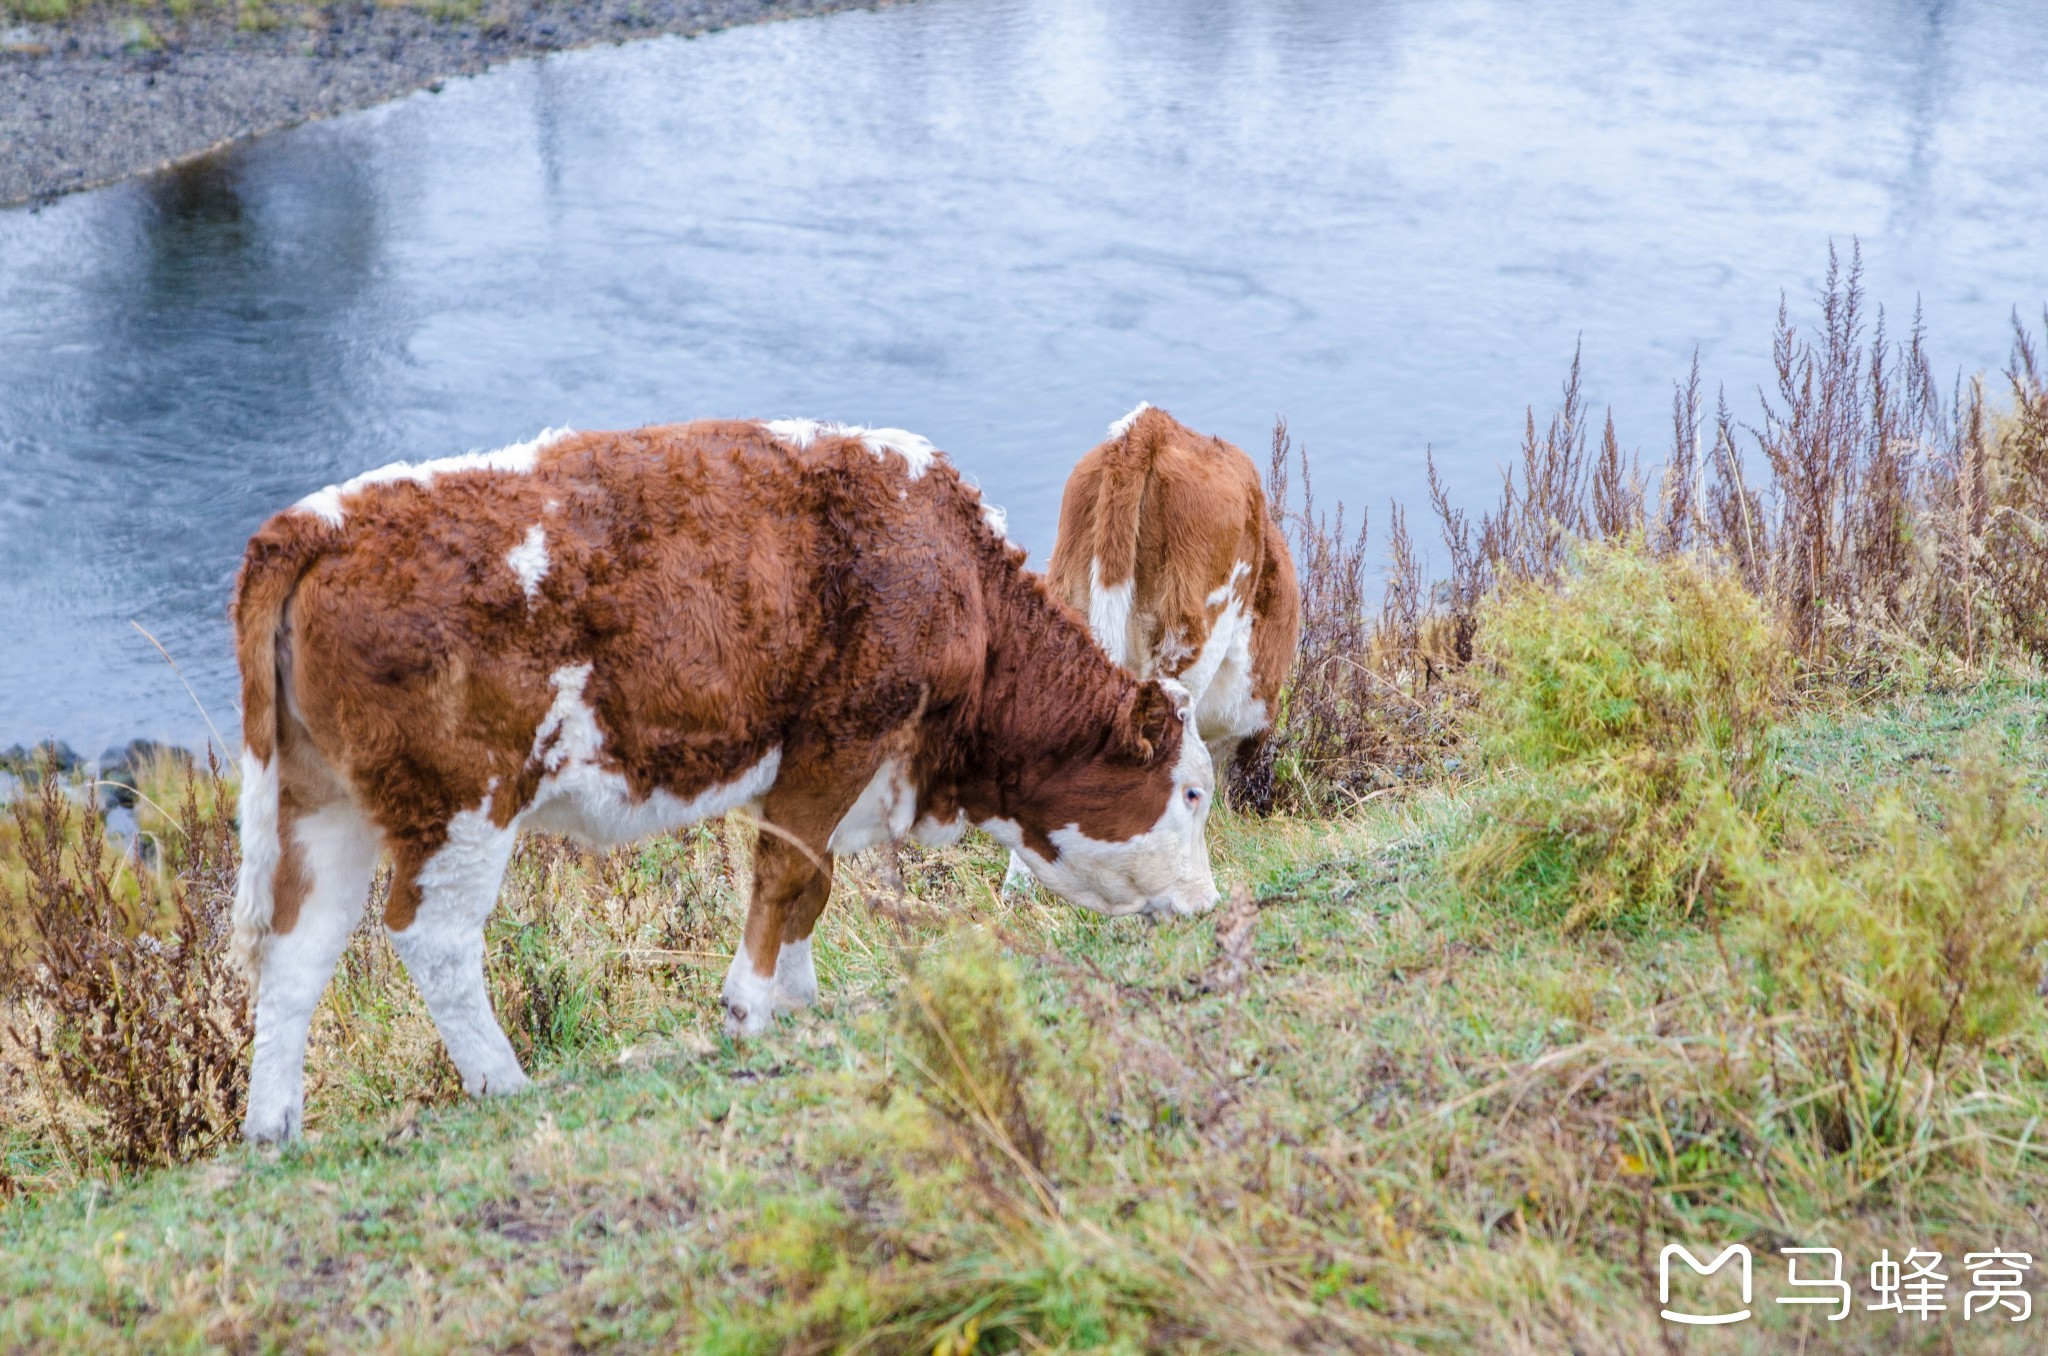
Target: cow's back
[(1169, 514), (667, 603)]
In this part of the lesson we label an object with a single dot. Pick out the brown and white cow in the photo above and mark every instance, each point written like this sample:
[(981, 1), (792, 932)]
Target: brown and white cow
[(1165, 545), (614, 634)]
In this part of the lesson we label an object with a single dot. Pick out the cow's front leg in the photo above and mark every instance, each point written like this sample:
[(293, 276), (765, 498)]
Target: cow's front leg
[(772, 969)]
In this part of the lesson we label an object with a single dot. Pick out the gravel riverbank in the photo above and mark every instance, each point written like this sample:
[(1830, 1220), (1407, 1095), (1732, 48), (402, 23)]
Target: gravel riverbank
[(88, 100)]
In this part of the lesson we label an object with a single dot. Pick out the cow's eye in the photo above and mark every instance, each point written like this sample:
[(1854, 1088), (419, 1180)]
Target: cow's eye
[(1194, 794)]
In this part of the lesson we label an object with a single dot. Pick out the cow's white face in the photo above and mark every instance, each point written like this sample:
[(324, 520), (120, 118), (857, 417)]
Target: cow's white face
[(1161, 871)]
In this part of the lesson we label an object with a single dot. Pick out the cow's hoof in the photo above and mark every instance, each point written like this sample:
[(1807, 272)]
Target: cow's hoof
[(743, 1021), (509, 1083), (270, 1130)]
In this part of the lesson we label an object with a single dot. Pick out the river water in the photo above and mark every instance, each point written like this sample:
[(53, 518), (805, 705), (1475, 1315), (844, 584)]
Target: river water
[(999, 223)]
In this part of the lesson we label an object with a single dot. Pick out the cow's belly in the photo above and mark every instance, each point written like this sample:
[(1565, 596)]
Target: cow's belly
[(582, 797), (597, 806)]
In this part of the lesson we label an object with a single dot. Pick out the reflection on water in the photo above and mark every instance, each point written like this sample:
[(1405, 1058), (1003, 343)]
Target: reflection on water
[(998, 222)]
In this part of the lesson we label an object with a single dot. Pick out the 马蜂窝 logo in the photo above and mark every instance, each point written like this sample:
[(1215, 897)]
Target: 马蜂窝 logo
[(1735, 1250)]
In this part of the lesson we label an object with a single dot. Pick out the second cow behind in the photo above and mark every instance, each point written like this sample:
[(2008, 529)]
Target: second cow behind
[(1166, 546)]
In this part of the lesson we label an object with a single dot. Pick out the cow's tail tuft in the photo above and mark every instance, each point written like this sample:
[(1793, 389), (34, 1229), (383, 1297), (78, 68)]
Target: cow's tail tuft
[(278, 557)]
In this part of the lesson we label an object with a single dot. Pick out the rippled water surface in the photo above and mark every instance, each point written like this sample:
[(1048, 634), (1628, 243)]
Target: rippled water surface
[(997, 222)]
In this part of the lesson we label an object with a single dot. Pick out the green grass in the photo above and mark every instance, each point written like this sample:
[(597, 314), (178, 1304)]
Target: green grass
[(1426, 1120)]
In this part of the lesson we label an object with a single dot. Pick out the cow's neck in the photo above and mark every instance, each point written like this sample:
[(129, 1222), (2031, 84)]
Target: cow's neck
[(1050, 693)]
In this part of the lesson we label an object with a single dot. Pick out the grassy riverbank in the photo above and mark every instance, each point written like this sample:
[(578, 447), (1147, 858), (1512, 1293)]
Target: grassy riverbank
[(1426, 1116), (1675, 870)]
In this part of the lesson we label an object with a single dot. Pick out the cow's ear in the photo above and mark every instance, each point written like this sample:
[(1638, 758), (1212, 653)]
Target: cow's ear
[(1152, 714)]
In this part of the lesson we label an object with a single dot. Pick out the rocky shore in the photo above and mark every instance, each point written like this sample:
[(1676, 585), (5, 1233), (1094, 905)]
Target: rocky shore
[(113, 92)]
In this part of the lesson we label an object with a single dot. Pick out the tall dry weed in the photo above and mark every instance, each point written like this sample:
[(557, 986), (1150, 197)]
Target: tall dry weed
[(1364, 705), (2012, 474)]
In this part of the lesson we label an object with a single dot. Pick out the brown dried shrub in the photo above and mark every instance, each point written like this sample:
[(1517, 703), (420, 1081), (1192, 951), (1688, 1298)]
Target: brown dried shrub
[(2013, 474), (127, 1004), (1370, 703), (1357, 710)]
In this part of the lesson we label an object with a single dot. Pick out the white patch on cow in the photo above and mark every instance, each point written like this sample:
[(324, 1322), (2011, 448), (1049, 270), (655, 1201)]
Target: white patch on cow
[(518, 459), (997, 520), (529, 560), (1220, 595), (1229, 715), (918, 454), (1225, 711), (1228, 646), (882, 813), (256, 884), (1123, 425), (568, 732), (443, 948), (1164, 870), (1109, 614), (582, 798), (749, 997), (1171, 654), (932, 831), (796, 976), (798, 433), (338, 855)]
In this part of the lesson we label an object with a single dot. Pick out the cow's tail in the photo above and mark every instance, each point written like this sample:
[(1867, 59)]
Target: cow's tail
[(278, 557), (1112, 573)]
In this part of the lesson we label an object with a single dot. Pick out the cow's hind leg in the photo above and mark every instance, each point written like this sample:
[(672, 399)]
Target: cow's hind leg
[(327, 857), (435, 919)]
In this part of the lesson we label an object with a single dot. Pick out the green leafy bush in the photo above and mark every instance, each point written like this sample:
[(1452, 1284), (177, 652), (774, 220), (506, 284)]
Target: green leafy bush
[(969, 1048), (1633, 702), (1891, 961)]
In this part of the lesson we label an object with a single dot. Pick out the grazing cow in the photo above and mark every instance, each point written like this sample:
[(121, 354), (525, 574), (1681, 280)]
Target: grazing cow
[(1166, 547), (614, 634)]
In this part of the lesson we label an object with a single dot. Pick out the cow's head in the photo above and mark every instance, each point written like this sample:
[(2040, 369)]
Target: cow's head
[(1125, 830)]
